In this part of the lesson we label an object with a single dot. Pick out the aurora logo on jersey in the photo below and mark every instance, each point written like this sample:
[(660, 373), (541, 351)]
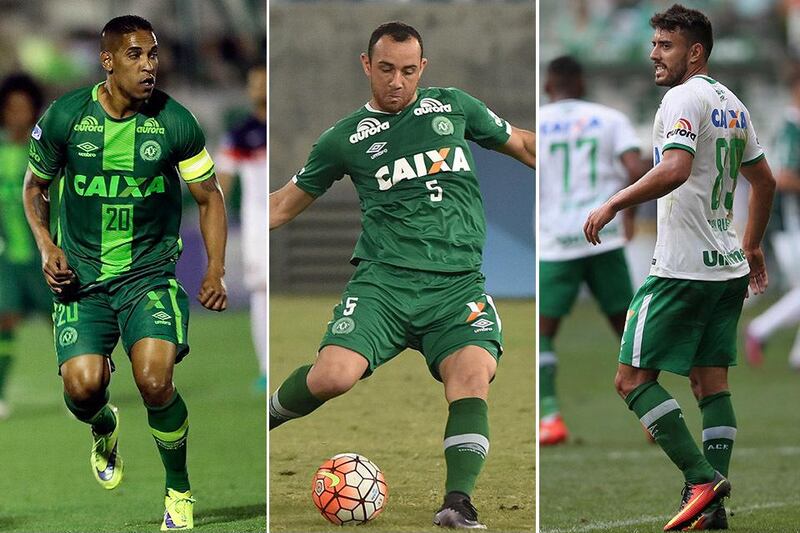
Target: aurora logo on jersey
[(367, 128), (712, 258), (731, 119), (417, 166), (88, 123), (682, 128), (150, 125), (432, 105), (118, 186)]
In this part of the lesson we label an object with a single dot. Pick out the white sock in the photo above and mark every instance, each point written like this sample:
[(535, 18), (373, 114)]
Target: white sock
[(258, 326), (784, 312)]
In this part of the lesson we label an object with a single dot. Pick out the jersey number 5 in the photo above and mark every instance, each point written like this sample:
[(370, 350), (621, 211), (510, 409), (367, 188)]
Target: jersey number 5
[(436, 195)]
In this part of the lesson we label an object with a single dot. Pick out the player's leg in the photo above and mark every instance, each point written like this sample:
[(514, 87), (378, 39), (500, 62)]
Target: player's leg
[(336, 371), (258, 327), (563, 280), (783, 313), (609, 279), (8, 329)]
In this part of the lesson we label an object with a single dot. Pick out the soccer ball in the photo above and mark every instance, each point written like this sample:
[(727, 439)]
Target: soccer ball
[(349, 489)]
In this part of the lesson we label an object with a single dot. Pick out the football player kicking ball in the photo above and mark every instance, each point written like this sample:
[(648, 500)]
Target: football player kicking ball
[(683, 318), (123, 149), (417, 282)]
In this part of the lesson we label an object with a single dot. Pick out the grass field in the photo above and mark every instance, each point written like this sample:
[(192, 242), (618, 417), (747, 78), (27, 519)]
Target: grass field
[(396, 418), (608, 478), (46, 482)]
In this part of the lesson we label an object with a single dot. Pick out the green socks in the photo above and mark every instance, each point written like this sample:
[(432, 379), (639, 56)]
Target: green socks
[(101, 418), (719, 430), (292, 399), (7, 342), (548, 403), (466, 443), (169, 424), (662, 416)]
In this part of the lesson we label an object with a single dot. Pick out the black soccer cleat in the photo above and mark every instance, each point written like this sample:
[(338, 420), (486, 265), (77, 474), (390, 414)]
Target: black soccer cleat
[(457, 512), (714, 517)]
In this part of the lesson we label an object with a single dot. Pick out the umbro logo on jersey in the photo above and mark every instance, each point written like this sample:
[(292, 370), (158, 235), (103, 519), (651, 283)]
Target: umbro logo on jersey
[(416, 166), (682, 128), (367, 128), (377, 150), (88, 123), (87, 149), (150, 125), (432, 105)]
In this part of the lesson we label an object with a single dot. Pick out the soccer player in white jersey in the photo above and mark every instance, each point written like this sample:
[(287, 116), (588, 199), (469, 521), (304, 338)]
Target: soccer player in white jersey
[(683, 318), (244, 153), (588, 152)]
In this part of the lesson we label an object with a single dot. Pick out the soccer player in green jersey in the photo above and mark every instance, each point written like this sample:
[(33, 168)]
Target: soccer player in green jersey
[(122, 149), (22, 290), (683, 318), (417, 282)]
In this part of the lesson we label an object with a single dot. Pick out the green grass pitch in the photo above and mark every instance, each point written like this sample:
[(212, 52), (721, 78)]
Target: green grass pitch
[(608, 478), (396, 418), (46, 483)]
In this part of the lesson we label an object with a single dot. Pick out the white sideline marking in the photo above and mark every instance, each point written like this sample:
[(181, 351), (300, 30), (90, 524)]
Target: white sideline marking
[(627, 455), (611, 524)]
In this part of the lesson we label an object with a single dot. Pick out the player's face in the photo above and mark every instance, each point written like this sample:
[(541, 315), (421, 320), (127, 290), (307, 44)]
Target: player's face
[(394, 72), (135, 64), (670, 57), (257, 86), (18, 112)]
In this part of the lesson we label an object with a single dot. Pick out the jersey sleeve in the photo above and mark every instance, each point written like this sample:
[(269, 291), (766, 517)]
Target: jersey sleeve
[(47, 146), (193, 160), (482, 125), (681, 113), (323, 167), (625, 137), (753, 152)]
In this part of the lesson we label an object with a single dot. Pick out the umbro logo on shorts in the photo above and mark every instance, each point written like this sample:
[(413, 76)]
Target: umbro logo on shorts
[(482, 325), (162, 318)]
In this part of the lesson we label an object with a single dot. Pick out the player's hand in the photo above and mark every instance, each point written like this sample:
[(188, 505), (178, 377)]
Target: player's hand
[(758, 270), (597, 220), (57, 274), (213, 295)]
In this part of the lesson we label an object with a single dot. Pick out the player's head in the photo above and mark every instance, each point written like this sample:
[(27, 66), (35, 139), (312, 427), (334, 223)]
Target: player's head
[(682, 44), (393, 63), (257, 85), (129, 55), (564, 79), (21, 101)]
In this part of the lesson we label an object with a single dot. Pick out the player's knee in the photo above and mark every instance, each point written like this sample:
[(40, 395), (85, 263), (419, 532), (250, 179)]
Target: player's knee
[(84, 387), (623, 386), (328, 383), (155, 390)]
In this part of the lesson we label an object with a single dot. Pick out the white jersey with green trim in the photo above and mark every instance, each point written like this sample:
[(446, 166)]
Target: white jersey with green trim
[(696, 238), (580, 144)]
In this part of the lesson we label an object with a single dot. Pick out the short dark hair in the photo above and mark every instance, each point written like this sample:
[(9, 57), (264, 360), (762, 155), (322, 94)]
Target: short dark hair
[(691, 22), (119, 26), (565, 76), (398, 31), (22, 83)]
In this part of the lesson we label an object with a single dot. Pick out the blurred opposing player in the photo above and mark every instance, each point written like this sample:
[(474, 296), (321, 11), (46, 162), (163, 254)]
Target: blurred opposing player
[(244, 154), (683, 319), (417, 282), (22, 289), (784, 229), (588, 152), (123, 149)]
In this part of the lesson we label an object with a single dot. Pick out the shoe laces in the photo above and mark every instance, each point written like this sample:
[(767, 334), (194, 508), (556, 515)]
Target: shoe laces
[(686, 494), (179, 503)]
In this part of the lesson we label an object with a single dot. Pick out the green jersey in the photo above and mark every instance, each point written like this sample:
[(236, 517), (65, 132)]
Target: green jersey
[(421, 206), (786, 207), (16, 241), (120, 194)]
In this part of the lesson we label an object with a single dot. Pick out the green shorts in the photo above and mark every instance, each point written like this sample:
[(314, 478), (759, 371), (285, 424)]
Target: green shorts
[(677, 324), (23, 289), (385, 309), (606, 275), (151, 306)]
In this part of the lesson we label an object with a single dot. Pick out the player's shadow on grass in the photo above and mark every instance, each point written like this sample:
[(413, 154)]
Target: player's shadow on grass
[(232, 514)]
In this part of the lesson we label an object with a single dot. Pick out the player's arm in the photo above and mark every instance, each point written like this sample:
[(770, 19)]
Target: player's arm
[(635, 167), (521, 145), (36, 202), (672, 172), (762, 190), (788, 180), (286, 203), (214, 227)]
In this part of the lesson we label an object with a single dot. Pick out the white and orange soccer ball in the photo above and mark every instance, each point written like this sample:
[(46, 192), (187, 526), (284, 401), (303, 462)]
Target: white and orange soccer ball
[(349, 489)]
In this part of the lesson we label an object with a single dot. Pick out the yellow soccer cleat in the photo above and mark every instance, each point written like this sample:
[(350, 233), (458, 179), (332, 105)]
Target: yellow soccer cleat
[(178, 512), (106, 462)]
